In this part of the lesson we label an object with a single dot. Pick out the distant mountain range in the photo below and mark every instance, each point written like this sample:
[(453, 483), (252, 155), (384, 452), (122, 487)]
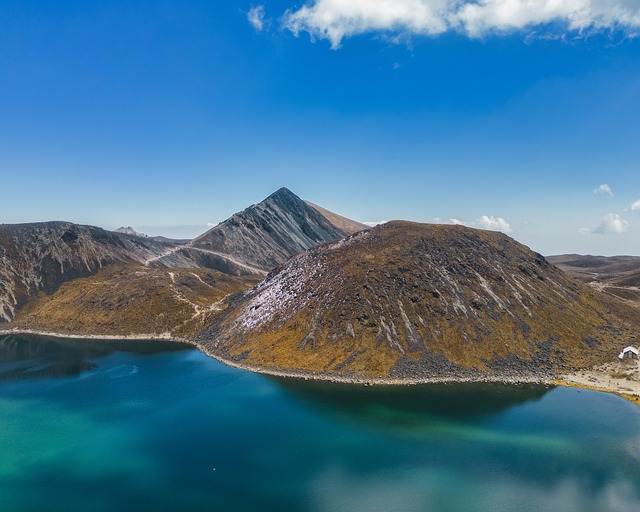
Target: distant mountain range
[(399, 301), (618, 275), (128, 230)]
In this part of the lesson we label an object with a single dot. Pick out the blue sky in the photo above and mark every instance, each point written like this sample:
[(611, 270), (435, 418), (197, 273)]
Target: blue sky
[(169, 115)]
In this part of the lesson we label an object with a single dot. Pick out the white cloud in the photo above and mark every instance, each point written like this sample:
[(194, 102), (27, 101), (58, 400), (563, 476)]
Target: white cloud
[(603, 189), (635, 207), (372, 223), (336, 19), (485, 222), (256, 17), (493, 223), (611, 224)]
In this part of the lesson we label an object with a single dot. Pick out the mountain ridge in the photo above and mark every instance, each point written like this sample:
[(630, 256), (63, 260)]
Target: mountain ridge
[(262, 236)]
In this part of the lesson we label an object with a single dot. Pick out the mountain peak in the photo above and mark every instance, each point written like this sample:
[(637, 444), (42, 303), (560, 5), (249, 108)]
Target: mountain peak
[(283, 197), (282, 192), (265, 235)]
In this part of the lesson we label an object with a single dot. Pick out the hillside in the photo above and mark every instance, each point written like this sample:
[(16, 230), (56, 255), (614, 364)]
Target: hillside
[(409, 301), (125, 299), (618, 275), (347, 225), (39, 257), (261, 237)]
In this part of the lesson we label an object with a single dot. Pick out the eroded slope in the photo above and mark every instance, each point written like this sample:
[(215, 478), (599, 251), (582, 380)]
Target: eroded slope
[(124, 299), (406, 300), (40, 257)]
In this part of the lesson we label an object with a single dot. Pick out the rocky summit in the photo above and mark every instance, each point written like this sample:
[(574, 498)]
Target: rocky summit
[(263, 236), (407, 301)]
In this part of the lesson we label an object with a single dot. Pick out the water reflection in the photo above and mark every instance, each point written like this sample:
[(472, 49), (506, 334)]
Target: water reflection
[(30, 357), (411, 405)]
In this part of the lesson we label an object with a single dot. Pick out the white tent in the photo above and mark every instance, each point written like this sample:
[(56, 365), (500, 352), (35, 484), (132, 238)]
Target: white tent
[(629, 352)]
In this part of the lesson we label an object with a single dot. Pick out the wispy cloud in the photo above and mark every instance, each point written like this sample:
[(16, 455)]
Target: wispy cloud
[(338, 19), (603, 189), (372, 223), (256, 17), (635, 206), (612, 224)]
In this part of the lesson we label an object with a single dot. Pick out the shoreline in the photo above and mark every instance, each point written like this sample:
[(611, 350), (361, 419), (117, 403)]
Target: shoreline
[(594, 379), (367, 381)]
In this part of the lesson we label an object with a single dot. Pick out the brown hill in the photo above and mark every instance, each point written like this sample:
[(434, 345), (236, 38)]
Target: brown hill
[(36, 259), (415, 301)]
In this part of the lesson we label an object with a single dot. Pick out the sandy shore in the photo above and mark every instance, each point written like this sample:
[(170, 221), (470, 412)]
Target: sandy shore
[(619, 377)]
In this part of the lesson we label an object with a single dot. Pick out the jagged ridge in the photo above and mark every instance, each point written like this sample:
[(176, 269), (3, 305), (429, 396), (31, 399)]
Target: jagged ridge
[(267, 234), (263, 236)]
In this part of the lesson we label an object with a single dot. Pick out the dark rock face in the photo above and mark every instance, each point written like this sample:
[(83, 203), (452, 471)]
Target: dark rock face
[(263, 236), (41, 256)]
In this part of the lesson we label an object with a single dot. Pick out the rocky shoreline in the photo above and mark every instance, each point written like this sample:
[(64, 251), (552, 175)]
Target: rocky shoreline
[(618, 377)]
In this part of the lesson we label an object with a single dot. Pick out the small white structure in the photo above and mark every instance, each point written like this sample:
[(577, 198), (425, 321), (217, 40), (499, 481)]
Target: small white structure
[(629, 352)]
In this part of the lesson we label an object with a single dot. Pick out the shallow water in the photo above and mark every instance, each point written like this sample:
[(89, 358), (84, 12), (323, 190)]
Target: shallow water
[(88, 425)]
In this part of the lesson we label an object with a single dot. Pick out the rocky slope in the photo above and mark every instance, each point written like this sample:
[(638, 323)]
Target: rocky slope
[(347, 225), (416, 301), (262, 236), (40, 257)]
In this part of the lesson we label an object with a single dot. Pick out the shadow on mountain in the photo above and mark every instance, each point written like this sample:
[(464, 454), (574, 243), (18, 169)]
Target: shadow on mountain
[(411, 405), (33, 357)]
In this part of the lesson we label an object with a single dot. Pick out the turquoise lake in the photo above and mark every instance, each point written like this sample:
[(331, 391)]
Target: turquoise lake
[(115, 426)]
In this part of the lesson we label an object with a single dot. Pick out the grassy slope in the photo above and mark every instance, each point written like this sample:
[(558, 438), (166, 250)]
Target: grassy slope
[(129, 299)]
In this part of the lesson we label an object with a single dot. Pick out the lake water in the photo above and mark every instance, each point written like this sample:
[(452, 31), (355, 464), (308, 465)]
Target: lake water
[(88, 425)]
